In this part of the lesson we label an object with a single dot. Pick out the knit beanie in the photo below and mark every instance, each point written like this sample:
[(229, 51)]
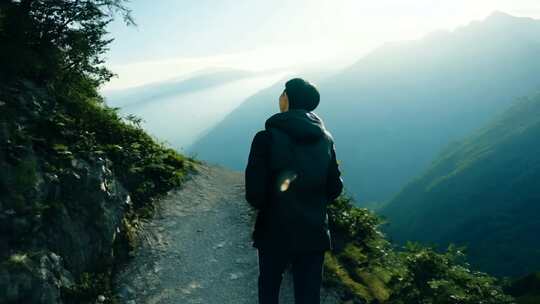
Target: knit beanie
[(302, 94)]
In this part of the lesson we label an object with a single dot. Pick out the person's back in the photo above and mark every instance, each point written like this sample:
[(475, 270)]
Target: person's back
[(291, 177)]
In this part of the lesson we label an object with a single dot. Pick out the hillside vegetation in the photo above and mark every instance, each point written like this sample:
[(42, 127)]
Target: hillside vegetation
[(366, 268), (482, 192), (75, 176)]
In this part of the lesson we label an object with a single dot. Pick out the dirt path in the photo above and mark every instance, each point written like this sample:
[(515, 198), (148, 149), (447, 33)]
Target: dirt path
[(197, 249)]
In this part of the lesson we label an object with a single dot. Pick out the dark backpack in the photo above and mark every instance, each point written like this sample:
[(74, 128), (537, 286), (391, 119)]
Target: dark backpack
[(297, 217)]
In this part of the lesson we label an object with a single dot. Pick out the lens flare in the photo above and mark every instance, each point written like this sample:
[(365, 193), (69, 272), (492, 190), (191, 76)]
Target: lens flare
[(286, 182), (285, 185)]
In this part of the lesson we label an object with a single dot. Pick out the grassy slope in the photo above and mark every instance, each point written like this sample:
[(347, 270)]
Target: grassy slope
[(482, 192)]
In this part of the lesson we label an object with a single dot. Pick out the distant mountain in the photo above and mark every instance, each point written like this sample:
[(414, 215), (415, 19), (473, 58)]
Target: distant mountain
[(483, 192), (227, 143), (193, 82), (177, 111), (395, 109)]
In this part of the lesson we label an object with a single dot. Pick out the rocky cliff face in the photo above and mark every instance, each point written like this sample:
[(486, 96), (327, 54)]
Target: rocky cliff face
[(60, 213)]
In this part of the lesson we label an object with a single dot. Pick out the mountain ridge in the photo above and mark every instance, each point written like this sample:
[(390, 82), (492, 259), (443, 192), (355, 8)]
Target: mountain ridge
[(490, 177), (393, 111)]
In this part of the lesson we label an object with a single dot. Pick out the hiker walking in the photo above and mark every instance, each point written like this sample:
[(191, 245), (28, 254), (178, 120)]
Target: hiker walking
[(291, 176)]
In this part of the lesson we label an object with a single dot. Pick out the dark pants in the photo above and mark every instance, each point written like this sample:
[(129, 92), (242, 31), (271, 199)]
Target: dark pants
[(307, 270)]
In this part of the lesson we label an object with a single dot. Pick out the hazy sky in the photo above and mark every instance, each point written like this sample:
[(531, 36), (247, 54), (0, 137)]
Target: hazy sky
[(175, 37)]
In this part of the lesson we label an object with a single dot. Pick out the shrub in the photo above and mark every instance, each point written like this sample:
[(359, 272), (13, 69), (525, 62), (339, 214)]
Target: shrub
[(365, 268)]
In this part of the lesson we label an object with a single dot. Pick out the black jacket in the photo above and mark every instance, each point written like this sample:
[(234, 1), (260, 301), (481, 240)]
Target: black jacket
[(291, 176)]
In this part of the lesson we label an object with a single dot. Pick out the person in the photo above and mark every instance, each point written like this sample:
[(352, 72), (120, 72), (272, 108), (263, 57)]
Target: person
[(290, 178)]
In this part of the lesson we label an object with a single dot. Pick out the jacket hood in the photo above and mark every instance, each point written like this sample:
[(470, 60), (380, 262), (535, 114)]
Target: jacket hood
[(301, 125)]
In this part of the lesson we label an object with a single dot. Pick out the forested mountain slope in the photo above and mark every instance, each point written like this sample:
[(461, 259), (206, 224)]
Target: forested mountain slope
[(483, 192)]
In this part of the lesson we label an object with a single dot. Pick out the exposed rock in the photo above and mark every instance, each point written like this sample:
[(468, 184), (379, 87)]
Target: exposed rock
[(36, 279), (54, 224), (88, 221)]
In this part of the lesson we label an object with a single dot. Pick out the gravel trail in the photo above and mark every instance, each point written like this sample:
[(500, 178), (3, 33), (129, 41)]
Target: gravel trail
[(197, 248)]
